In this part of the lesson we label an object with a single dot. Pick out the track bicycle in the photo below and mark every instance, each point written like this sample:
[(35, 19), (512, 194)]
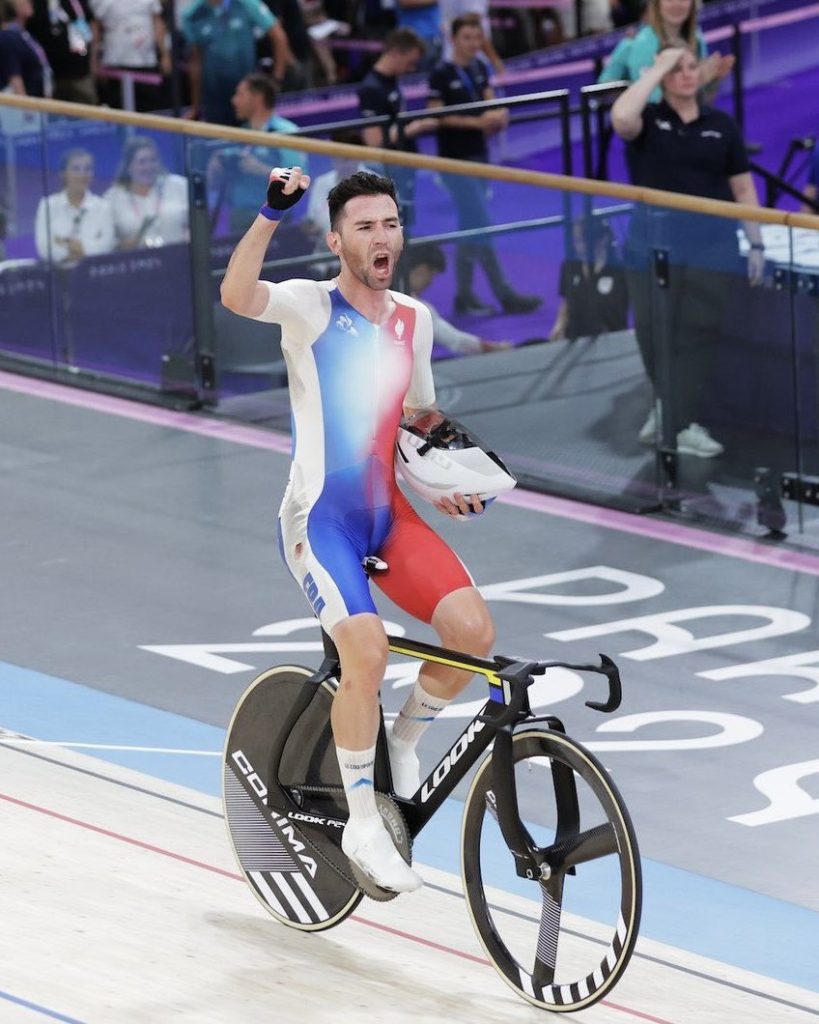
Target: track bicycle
[(549, 859)]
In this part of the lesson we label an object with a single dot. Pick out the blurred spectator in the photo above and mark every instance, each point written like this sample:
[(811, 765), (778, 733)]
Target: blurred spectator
[(24, 67), (299, 74), (465, 80), (667, 23), (243, 171), (812, 186), (594, 295), (63, 29), (149, 205), (132, 35), (222, 38), (423, 17), (73, 223), (423, 264), (320, 27), (379, 95), (478, 9), (678, 145)]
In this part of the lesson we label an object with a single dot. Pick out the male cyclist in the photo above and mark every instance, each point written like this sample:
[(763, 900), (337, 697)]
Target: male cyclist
[(358, 355)]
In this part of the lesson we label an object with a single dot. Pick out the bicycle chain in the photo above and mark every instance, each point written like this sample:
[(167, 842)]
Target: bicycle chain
[(402, 840)]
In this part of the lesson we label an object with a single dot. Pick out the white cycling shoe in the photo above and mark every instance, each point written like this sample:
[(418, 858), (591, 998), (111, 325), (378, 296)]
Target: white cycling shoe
[(405, 767), (367, 843)]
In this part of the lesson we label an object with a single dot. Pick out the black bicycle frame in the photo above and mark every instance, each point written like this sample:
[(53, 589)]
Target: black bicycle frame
[(508, 706)]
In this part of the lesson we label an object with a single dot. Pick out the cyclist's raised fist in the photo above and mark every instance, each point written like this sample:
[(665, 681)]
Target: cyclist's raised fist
[(285, 187)]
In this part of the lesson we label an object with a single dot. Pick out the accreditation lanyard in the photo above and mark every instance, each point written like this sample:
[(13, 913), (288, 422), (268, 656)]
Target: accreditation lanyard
[(468, 83), (142, 211)]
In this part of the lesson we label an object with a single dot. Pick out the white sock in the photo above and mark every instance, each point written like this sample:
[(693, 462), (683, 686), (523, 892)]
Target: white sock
[(357, 768), (415, 717)]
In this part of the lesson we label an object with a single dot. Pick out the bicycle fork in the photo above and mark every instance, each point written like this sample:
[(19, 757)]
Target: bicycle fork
[(531, 861)]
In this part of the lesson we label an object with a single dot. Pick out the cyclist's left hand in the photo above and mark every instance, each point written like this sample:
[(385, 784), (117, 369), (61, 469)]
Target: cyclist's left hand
[(460, 507)]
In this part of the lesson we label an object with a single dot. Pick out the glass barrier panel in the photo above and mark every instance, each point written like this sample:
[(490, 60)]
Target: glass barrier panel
[(29, 324), (529, 341), (547, 278), (115, 230), (714, 330), (801, 482)]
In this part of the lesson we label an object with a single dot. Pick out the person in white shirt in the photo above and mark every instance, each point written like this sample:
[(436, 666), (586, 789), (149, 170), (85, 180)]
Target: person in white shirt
[(73, 223), (132, 33), (149, 205)]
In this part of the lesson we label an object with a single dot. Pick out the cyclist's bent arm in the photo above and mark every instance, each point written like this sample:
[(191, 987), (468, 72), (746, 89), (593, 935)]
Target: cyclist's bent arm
[(242, 292)]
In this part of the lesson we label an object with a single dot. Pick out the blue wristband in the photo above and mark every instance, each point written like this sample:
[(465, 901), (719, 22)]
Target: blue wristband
[(270, 213)]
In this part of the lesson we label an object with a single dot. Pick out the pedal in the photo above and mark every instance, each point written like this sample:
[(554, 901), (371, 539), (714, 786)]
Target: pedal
[(397, 828)]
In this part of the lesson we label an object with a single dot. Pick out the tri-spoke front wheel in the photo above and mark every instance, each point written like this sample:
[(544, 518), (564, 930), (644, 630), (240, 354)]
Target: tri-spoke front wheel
[(562, 940)]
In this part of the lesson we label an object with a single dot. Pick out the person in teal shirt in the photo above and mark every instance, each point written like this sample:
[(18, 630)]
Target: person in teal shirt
[(222, 37), (242, 171), (667, 22)]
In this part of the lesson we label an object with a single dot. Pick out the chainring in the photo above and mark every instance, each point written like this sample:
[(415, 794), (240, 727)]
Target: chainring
[(399, 833)]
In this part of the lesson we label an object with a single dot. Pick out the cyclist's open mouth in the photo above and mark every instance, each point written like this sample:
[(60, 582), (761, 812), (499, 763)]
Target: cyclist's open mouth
[(382, 264)]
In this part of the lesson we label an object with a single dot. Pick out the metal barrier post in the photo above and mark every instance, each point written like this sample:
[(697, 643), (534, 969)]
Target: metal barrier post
[(204, 333)]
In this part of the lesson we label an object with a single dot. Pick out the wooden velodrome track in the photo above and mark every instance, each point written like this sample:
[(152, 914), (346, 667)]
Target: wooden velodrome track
[(122, 904)]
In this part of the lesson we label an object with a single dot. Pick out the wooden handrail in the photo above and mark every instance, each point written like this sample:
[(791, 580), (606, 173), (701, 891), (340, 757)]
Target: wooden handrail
[(513, 175)]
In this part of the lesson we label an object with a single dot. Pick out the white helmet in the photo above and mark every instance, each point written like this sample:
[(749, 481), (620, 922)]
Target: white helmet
[(439, 458)]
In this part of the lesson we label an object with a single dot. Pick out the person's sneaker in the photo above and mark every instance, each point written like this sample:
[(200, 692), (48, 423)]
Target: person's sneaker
[(515, 303), (695, 440), (469, 305), (367, 843), (405, 767), (648, 431)]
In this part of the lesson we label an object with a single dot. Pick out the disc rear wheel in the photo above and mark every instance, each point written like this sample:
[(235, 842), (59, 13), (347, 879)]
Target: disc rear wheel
[(284, 840)]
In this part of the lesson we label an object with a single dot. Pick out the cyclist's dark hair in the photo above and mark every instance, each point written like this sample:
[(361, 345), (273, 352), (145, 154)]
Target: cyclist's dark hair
[(362, 183), (262, 86), (403, 39), (8, 12), (427, 255)]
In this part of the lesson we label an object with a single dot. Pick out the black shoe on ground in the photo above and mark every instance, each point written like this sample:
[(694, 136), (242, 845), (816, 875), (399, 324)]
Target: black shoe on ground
[(470, 306), (515, 303)]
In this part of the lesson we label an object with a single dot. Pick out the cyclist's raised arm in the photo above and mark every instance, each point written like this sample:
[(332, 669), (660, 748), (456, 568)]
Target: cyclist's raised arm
[(242, 292)]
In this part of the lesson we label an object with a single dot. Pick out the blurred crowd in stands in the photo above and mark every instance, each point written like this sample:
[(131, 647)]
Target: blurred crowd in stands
[(80, 50)]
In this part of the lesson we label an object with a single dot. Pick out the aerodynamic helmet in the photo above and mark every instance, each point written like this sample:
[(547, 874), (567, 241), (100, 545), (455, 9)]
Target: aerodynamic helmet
[(439, 458)]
